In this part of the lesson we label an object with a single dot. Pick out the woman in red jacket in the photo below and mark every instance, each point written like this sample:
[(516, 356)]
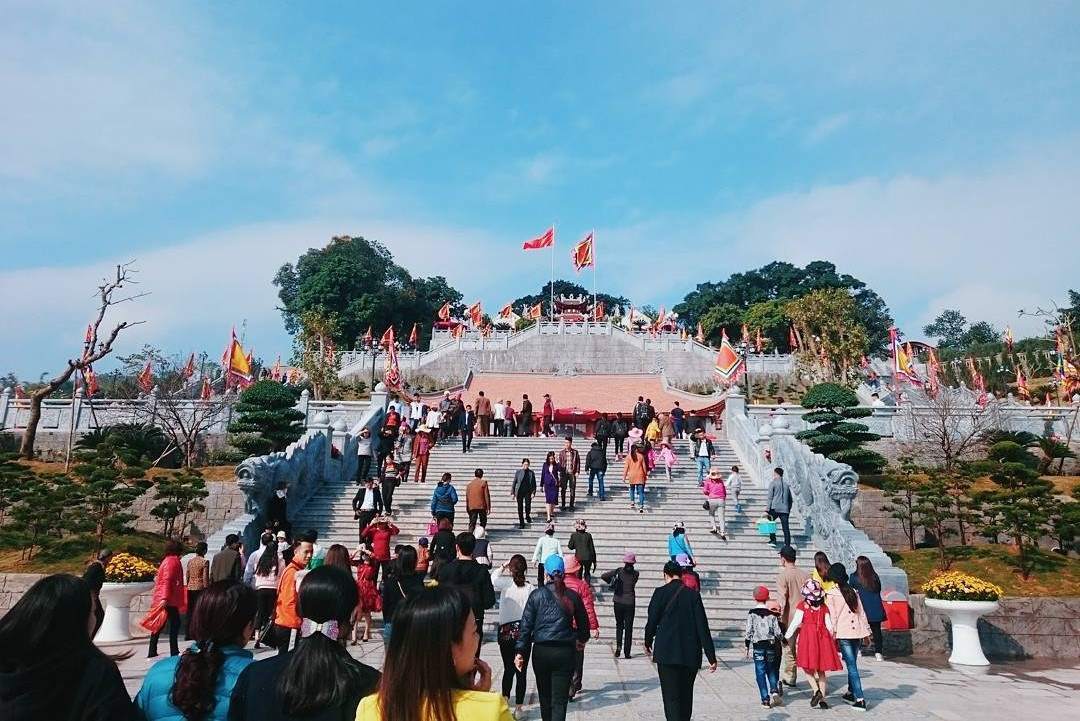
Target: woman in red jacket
[(169, 589)]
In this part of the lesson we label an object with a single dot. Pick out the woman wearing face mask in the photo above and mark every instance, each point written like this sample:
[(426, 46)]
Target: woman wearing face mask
[(431, 672)]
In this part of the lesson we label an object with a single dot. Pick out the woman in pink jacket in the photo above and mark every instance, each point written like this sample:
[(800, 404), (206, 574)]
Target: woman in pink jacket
[(850, 627), (716, 493), (169, 589)]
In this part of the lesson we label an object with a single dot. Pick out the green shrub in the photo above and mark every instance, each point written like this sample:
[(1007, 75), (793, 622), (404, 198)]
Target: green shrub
[(835, 435)]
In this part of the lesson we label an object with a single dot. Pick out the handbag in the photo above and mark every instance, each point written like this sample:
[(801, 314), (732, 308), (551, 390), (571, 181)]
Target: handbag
[(155, 618), (705, 505), (510, 632)]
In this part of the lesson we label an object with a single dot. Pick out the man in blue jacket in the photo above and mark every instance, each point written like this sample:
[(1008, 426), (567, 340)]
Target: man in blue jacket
[(444, 499)]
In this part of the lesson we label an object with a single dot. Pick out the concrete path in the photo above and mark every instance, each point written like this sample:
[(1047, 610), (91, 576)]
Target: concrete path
[(899, 689)]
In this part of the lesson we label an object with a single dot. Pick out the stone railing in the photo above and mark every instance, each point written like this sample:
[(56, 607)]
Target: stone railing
[(822, 489), (80, 414), (302, 468)]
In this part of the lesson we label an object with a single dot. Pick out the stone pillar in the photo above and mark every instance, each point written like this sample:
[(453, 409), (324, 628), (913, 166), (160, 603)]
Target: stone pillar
[(5, 405), (735, 404), (76, 410), (380, 396), (302, 405)]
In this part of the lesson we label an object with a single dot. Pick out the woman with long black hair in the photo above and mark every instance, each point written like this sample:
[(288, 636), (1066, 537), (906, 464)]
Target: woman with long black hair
[(866, 581), (431, 671), (49, 668), (197, 684), (170, 591), (267, 569), (514, 591), (554, 627), (401, 583), (318, 680)]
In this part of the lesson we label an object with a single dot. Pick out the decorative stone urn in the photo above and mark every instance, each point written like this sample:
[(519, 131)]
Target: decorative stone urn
[(964, 617), (116, 599)]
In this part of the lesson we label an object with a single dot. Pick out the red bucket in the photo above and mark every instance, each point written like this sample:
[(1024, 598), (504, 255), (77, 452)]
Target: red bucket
[(897, 611)]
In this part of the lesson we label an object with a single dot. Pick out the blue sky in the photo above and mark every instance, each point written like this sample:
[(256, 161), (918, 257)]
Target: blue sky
[(932, 151)]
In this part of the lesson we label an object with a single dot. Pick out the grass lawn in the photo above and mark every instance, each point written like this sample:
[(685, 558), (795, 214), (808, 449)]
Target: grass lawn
[(72, 554), (1054, 575)]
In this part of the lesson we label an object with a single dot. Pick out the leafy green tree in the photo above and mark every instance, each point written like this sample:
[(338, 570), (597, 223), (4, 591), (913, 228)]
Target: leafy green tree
[(948, 328), (14, 479), (179, 496), (770, 317), (783, 282), (1065, 525), (720, 318), (827, 323), (1021, 505), (356, 283), (109, 488), (48, 507), (900, 491), (835, 435), (1053, 450), (933, 511), (267, 420), (980, 333)]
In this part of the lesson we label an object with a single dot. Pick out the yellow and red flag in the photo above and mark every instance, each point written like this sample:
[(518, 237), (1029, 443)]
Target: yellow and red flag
[(507, 311), (476, 314), (792, 339), (207, 390), (1008, 337), (582, 254), (237, 364), (444, 312), (536, 312), (1021, 384), (387, 339), (146, 377), (90, 377), (745, 335), (700, 333), (541, 241), (598, 310), (729, 363), (414, 335), (660, 317), (759, 344), (368, 337), (459, 330)]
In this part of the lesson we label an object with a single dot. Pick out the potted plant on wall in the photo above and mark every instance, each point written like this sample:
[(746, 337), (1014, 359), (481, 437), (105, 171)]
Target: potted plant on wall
[(126, 576), (963, 598)]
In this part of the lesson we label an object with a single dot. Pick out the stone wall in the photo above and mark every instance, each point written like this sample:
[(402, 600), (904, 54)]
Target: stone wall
[(225, 501), (867, 516), (1020, 628)]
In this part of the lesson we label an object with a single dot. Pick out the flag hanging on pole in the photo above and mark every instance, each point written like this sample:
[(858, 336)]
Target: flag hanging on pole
[(90, 378), (146, 377), (902, 366), (368, 337), (933, 370), (414, 335), (700, 334), (88, 342), (745, 336), (444, 312), (759, 344), (459, 330), (1021, 384), (207, 390), (506, 311), (189, 368), (536, 312), (237, 364), (275, 370), (392, 374), (387, 339), (598, 310), (582, 254), (476, 314), (792, 339), (542, 241), (1008, 337), (661, 317), (729, 364)]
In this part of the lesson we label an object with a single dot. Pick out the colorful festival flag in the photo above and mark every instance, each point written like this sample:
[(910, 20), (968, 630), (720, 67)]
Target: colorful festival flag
[(661, 317), (903, 368), (444, 312), (91, 380), (207, 390), (582, 254), (759, 344), (793, 341), (745, 336), (189, 368), (414, 335), (506, 311), (1008, 337), (459, 330), (368, 337), (237, 364), (146, 378), (598, 310), (387, 339), (729, 363), (700, 334), (542, 241), (933, 372), (1022, 390), (476, 314), (536, 312)]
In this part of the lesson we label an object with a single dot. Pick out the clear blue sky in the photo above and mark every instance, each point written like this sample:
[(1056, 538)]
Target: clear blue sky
[(930, 150)]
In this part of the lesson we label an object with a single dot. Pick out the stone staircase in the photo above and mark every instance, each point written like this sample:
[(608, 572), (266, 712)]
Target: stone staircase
[(729, 570)]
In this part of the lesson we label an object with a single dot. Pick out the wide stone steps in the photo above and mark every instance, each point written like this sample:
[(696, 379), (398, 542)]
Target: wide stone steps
[(729, 570)]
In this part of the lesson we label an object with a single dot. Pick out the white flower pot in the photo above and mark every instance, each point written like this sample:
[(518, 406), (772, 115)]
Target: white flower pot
[(116, 599), (964, 616)]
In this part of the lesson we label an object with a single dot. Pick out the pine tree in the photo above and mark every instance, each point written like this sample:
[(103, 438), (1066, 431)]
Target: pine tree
[(268, 420), (835, 435)]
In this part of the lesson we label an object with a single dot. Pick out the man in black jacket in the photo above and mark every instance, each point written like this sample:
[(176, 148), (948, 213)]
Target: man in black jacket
[(601, 432), (470, 576), (366, 505), (523, 490), (675, 635), (468, 425)]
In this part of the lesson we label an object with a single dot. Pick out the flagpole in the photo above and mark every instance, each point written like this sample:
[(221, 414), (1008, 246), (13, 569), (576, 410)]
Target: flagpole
[(593, 234), (553, 272)]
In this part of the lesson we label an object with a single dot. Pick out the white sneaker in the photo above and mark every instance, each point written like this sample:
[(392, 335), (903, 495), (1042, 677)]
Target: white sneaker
[(878, 657)]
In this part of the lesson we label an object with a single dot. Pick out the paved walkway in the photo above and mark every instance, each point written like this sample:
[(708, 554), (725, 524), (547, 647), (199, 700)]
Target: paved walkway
[(901, 689)]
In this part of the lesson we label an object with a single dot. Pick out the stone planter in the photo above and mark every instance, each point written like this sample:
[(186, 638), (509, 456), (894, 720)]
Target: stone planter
[(116, 599), (964, 617)]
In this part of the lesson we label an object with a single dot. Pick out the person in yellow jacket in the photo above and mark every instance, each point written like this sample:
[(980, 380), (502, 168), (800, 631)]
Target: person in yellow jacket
[(431, 671), (653, 432)]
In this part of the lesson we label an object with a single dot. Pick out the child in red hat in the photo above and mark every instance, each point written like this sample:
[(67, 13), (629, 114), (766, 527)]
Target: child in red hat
[(762, 633)]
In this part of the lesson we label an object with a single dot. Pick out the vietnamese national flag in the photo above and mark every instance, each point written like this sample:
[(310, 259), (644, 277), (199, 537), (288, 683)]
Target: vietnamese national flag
[(507, 311), (189, 368), (582, 254), (414, 335), (146, 378), (476, 314), (543, 241), (444, 312)]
